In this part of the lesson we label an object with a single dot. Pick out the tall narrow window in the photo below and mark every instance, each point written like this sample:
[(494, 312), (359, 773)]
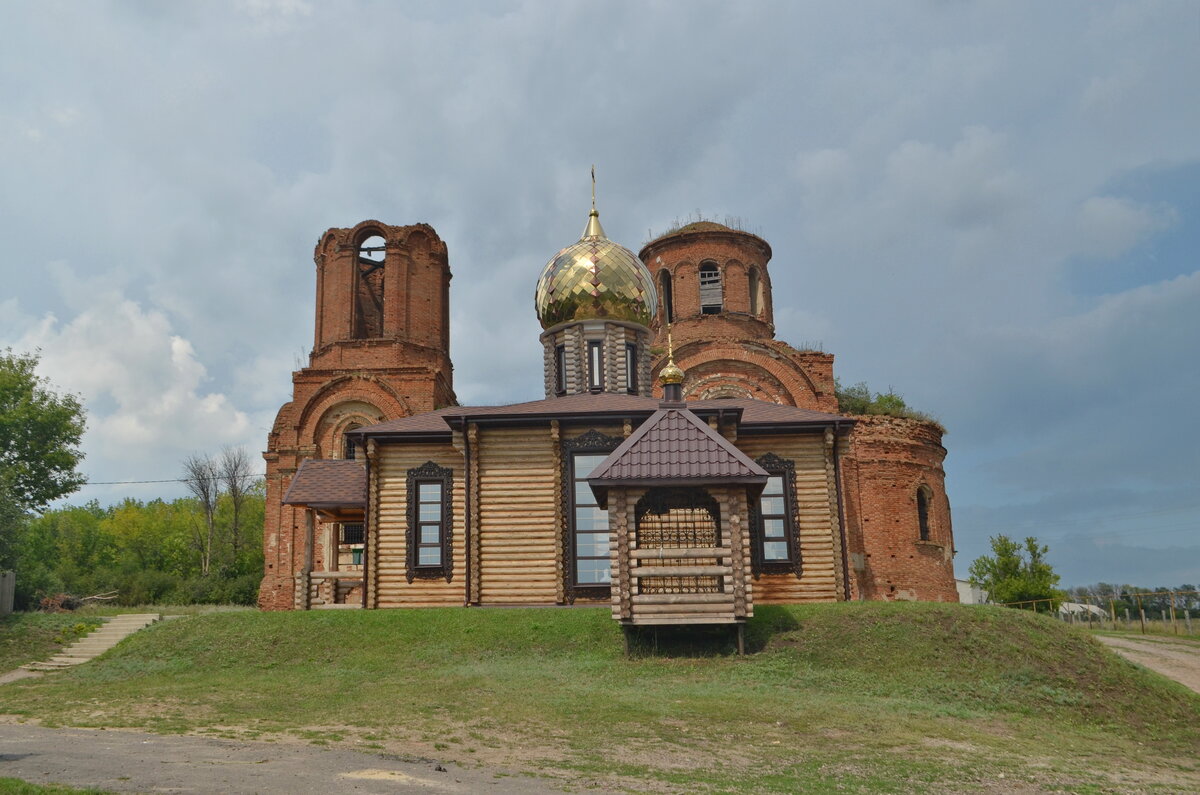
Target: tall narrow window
[(923, 512), (754, 288), (560, 369), (592, 566), (711, 295), (368, 291), (775, 550), (595, 365), (631, 368), (429, 522), (585, 557), (664, 282)]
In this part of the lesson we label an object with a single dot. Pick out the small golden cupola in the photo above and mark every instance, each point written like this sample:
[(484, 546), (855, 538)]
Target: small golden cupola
[(595, 300)]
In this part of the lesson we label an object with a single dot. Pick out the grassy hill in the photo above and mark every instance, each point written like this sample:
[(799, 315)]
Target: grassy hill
[(839, 697)]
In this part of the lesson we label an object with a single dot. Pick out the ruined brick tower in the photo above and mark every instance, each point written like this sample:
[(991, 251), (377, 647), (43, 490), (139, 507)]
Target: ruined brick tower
[(381, 351), (714, 290)]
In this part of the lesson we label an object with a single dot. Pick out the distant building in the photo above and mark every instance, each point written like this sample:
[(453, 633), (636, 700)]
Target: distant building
[(970, 594), (741, 485)]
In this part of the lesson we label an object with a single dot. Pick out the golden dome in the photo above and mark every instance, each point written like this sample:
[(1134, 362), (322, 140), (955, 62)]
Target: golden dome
[(671, 373), (595, 279)]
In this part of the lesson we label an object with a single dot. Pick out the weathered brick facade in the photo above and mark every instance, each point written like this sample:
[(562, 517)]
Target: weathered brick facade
[(381, 351), (730, 350)]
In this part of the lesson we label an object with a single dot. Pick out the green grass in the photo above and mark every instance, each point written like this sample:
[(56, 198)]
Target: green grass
[(841, 697), (26, 637)]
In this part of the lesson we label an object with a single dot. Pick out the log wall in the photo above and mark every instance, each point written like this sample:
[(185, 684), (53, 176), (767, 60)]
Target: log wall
[(815, 518), (388, 541), (518, 503)]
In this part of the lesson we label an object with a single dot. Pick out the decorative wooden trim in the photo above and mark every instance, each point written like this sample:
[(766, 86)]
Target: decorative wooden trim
[(835, 519), (786, 469), (429, 472), (593, 441), (474, 518), (371, 534), (560, 594)]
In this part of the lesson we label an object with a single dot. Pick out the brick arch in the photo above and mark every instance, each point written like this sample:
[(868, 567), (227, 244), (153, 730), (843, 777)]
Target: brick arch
[(329, 434), (799, 388), (367, 389), (707, 386)]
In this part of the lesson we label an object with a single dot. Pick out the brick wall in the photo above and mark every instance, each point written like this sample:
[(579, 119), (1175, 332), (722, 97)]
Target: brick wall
[(354, 381), (888, 460)]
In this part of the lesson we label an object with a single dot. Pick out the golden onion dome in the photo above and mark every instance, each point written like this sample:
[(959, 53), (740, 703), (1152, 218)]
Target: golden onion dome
[(671, 373), (595, 279)]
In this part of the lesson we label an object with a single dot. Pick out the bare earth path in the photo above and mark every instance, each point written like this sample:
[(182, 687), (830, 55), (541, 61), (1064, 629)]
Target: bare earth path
[(1178, 660), (124, 761)]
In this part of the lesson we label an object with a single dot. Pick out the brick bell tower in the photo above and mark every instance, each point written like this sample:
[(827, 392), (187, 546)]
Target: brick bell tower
[(715, 290), (381, 351)]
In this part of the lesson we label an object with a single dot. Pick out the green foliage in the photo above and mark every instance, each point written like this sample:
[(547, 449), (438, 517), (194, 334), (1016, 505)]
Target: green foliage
[(145, 551), (859, 399), (39, 435), (1013, 573)]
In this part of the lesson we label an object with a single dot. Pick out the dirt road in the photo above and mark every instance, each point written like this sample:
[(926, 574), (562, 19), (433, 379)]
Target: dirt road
[(1180, 660), (123, 761)]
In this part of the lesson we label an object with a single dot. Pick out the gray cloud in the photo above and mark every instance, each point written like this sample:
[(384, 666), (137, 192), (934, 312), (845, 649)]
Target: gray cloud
[(934, 181)]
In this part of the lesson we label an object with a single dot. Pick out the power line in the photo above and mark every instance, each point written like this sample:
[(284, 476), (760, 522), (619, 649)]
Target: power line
[(168, 480)]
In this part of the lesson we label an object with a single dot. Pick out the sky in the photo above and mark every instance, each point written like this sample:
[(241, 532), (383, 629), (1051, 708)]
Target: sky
[(992, 208)]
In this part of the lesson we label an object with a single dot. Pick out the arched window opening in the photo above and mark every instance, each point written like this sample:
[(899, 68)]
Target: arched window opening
[(755, 301), (923, 511), (711, 295), (664, 283), (677, 518), (348, 446), (368, 291)]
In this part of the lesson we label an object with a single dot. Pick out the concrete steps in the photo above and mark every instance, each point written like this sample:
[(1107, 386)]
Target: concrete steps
[(101, 640)]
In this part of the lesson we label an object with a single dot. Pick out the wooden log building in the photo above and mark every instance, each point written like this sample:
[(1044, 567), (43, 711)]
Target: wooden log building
[(668, 509)]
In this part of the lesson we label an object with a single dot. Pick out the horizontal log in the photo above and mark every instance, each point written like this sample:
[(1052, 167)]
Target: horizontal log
[(669, 554), (336, 575), (681, 598), (678, 571), (684, 609), (716, 618)]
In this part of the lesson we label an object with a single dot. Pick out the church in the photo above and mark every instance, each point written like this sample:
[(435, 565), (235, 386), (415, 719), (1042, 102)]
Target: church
[(682, 466)]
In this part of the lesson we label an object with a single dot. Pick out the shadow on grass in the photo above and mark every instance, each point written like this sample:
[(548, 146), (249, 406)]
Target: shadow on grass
[(710, 640)]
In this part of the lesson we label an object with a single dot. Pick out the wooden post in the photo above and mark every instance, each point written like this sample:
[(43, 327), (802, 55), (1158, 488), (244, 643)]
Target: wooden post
[(1127, 618), (1187, 618), (1174, 626), (741, 639), (1142, 613)]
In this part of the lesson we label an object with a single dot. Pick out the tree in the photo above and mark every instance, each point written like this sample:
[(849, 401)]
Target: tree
[(40, 432), (203, 481), (1016, 574), (233, 467)]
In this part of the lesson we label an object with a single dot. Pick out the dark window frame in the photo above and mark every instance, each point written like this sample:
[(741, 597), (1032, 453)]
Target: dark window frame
[(923, 513), (595, 365), (560, 369), (631, 368), (711, 271), (349, 537), (792, 564), (427, 474), (664, 278), (592, 442)]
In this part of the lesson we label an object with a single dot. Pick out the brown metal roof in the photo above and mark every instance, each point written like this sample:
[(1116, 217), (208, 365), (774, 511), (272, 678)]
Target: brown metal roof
[(675, 447), (749, 414), (328, 484)]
